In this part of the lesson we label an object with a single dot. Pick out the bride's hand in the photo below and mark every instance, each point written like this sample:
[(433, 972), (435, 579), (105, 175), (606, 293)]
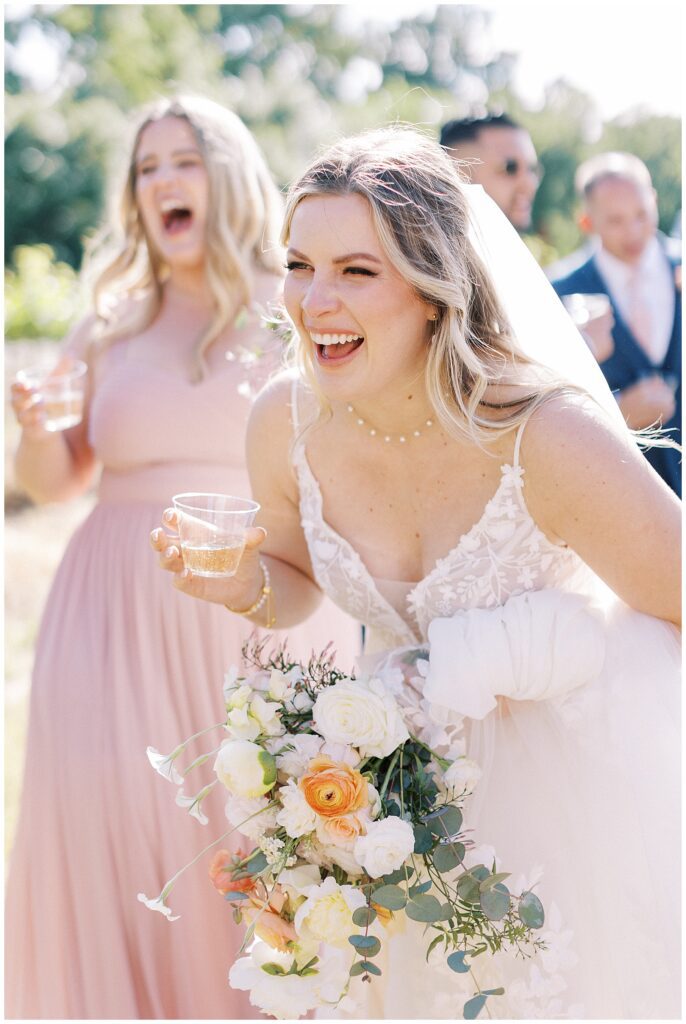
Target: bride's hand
[(237, 592)]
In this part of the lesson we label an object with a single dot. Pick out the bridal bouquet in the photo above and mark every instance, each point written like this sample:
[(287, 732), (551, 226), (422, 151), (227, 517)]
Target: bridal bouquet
[(355, 824)]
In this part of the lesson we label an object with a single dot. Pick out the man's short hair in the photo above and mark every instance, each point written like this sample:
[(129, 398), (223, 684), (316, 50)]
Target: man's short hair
[(468, 129), (604, 166)]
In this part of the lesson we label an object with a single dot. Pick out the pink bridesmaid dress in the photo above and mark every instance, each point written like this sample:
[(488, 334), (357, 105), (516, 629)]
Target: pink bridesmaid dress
[(124, 661)]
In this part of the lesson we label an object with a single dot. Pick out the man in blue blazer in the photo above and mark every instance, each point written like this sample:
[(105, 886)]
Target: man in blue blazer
[(632, 267)]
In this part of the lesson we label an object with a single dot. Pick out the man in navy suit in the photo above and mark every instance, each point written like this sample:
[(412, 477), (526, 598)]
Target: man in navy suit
[(642, 281)]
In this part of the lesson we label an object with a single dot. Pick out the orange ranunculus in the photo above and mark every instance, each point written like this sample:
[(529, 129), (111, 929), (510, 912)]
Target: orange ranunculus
[(220, 874), (333, 788)]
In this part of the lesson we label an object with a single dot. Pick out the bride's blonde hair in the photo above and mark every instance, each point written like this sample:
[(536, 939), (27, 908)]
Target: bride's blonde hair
[(420, 213), (243, 223)]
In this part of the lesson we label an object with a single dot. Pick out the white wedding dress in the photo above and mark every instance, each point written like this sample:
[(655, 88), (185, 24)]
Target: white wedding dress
[(580, 786)]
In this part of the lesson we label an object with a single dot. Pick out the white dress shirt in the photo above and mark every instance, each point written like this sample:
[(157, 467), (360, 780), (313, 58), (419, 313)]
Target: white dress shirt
[(653, 276)]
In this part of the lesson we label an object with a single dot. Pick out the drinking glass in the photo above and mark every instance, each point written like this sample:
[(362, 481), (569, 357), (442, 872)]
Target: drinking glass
[(61, 388), (585, 306), (212, 531)]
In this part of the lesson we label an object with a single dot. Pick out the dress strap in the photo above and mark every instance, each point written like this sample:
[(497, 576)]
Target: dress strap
[(518, 441)]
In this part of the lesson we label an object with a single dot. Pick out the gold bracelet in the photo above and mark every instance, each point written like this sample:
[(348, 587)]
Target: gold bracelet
[(265, 597)]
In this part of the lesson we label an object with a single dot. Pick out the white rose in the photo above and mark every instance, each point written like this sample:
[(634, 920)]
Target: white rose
[(342, 752), (296, 815), (374, 807), (295, 762), (363, 715), (242, 812), (245, 768), (461, 777), (386, 846), (327, 913), (266, 713)]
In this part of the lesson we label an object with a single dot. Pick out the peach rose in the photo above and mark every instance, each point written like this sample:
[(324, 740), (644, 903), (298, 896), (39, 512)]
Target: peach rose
[(273, 928), (220, 874), (339, 830), (333, 788)]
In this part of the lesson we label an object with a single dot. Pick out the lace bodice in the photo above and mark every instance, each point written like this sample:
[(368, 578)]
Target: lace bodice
[(503, 554)]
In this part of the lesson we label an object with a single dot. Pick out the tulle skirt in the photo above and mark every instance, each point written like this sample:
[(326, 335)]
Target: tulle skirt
[(580, 799)]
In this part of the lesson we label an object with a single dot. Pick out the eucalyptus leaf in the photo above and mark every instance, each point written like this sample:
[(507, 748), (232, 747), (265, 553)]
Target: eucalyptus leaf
[(364, 916), (425, 908), (368, 945), (370, 968), (530, 910), (456, 962), (257, 863), (468, 888), (232, 895), (398, 876), (423, 839), (357, 968), (480, 872), (391, 897), (493, 991), (417, 890), (446, 821), (473, 1007), (495, 902), (448, 856)]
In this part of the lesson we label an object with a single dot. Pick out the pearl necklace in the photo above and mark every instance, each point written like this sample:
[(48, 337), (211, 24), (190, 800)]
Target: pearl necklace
[(373, 432)]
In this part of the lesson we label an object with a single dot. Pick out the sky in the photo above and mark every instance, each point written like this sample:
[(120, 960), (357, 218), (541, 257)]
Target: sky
[(622, 54)]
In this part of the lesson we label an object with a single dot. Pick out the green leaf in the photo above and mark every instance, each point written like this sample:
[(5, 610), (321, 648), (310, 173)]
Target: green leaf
[(370, 968), (364, 916), (425, 908), (432, 945), (446, 820), (495, 902), (493, 991), (423, 840), (233, 896), (257, 863), (417, 890), (275, 969), (492, 880), (398, 876), (473, 1007), (456, 962), (357, 968), (447, 856), (480, 872), (391, 897), (307, 972), (530, 910), (468, 888), (369, 945)]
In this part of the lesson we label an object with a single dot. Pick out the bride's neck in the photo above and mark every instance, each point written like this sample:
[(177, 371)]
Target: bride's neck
[(405, 411)]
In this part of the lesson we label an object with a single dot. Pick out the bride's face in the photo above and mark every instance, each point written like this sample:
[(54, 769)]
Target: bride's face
[(365, 326)]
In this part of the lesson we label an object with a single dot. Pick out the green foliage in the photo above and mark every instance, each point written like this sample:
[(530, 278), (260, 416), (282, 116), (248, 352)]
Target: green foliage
[(42, 296)]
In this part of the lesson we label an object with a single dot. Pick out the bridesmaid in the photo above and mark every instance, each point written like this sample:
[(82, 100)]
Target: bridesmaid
[(122, 661)]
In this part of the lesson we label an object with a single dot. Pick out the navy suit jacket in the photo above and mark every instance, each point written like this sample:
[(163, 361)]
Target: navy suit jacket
[(629, 362)]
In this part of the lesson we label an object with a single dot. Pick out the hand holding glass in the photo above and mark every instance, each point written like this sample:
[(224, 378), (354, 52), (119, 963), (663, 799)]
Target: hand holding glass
[(60, 388), (212, 531)]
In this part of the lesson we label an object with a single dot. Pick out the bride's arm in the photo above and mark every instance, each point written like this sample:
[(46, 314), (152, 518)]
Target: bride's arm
[(277, 540), (588, 484)]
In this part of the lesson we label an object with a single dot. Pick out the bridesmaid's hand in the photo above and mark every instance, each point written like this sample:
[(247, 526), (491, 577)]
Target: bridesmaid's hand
[(237, 592), (30, 411)]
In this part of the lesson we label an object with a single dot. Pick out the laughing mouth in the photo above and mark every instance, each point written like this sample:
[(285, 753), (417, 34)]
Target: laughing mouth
[(175, 217), (332, 347)]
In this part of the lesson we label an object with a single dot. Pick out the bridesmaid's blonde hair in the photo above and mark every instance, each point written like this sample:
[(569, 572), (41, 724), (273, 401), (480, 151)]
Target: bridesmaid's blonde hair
[(243, 223), (420, 213)]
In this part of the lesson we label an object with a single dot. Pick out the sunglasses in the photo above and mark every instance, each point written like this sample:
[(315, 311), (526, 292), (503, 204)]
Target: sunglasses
[(513, 167)]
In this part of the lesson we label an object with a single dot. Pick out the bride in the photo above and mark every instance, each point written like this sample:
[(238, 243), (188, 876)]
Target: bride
[(450, 468)]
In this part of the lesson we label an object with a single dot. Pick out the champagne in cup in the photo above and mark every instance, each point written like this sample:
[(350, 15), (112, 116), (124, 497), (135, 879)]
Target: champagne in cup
[(212, 531), (61, 389)]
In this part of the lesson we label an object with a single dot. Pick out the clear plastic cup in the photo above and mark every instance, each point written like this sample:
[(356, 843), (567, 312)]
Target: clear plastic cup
[(585, 306), (61, 388), (212, 531)]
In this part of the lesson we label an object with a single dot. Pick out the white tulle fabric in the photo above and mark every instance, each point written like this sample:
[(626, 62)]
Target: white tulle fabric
[(580, 786)]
